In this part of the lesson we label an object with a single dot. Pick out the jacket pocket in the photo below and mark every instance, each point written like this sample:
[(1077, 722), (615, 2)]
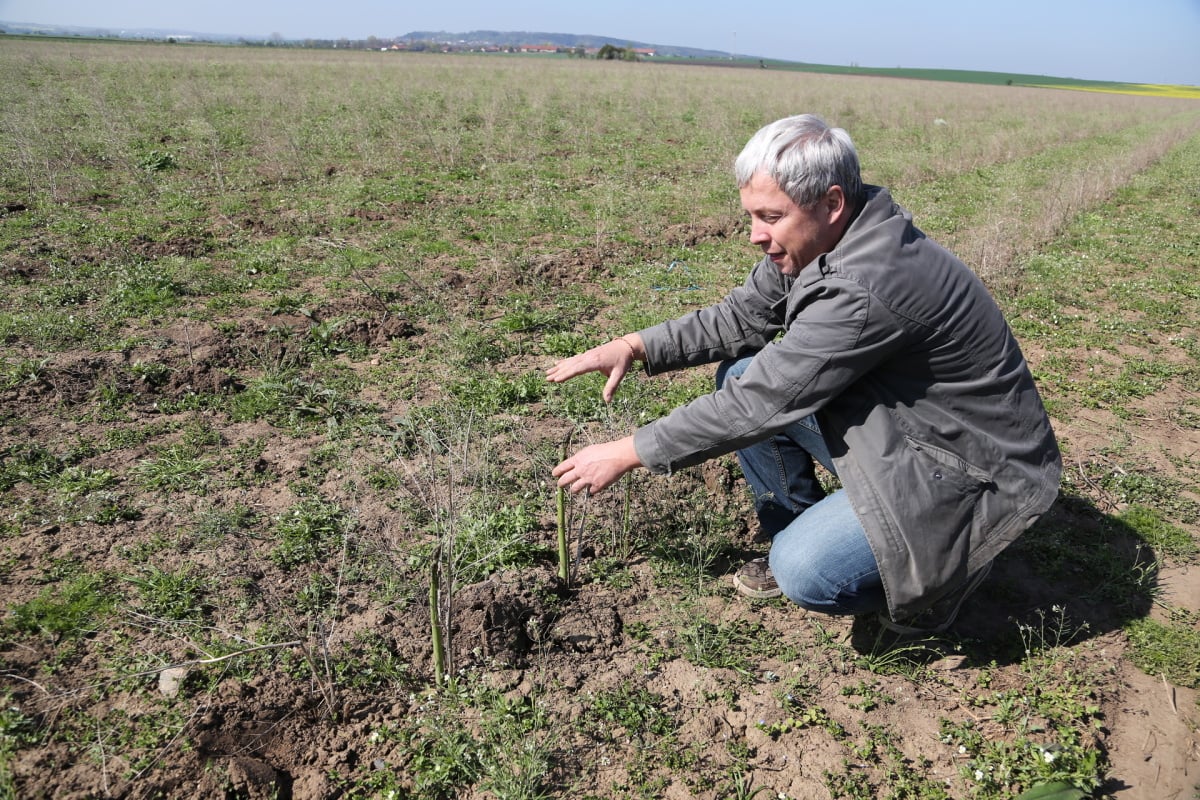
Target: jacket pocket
[(943, 492), (932, 499), (947, 459)]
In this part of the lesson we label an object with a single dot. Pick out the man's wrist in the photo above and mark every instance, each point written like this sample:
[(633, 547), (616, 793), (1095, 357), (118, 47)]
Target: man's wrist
[(632, 350)]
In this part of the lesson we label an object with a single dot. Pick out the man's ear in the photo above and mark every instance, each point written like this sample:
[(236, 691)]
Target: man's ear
[(836, 204)]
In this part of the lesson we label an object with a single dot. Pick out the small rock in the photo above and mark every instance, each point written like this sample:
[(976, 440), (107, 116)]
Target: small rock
[(169, 680)]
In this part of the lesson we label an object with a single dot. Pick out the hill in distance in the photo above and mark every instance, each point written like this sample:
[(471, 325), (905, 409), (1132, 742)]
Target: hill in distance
[(568, 40), (476, 38)]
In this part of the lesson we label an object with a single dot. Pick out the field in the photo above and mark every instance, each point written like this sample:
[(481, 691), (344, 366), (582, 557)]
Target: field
[(274, 331)]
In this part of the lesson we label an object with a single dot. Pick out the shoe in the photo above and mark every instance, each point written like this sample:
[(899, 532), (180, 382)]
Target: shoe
[(755, 580), (941, 615)]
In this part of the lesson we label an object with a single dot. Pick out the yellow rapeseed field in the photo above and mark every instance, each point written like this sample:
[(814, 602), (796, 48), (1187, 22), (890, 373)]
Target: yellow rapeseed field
[(1144, 89)]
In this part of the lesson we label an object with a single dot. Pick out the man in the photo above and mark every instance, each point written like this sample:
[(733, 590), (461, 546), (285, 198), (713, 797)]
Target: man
[(861, 344)]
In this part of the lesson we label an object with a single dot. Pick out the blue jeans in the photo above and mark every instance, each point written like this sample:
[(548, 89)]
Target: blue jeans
[(819, 552)]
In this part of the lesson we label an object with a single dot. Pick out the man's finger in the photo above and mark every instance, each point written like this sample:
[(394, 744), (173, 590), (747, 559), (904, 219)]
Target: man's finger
[(610, 387)]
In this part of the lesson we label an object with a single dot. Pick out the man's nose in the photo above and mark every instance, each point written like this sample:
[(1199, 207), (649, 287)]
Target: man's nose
[(758, 233)]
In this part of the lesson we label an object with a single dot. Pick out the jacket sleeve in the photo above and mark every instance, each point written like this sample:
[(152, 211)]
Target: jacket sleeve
[(744, 321), (838, 335)]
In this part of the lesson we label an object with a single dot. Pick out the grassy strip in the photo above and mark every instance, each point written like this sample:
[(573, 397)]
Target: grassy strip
[(1112, 309)]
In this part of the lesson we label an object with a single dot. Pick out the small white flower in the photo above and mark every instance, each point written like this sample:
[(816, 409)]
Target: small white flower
[(1049, 756), (978, 775), (962, 748)]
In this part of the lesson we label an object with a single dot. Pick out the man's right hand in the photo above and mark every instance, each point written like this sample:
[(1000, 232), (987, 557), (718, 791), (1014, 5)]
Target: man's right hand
[(598, 466)]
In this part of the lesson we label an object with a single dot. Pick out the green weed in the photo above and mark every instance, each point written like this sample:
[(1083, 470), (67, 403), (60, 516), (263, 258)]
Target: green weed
[(292, 401), (122, 438), (898, 774), (21, 372), (524, 316), (495, 393), (1167, 540), (737, 645), (469, 347), (803, 716), (636, 712), (49, 330), (1144, 487), (30, 463), (488, 541), (322, 339), (157, 161), (894, 655), (177, 596), (317, 597), (1170, 649), (741, 787), (199, 433), (145, 289), (564, 344), (869, 696), (103, 508), (1122, 572), (150, 373), (177, 468), (75, 482), (383, 479), (216, 524), (68, 609), (308, 531), (371, 663)]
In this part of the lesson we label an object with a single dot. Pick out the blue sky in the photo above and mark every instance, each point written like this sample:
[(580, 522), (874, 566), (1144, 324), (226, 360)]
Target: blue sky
[(1151, 41)]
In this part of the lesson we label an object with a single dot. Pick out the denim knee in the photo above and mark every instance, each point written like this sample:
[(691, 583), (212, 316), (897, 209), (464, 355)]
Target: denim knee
[(806, 587), (823, 561)]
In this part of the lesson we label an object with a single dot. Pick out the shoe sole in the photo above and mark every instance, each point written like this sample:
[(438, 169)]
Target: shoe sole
[(746, 590)]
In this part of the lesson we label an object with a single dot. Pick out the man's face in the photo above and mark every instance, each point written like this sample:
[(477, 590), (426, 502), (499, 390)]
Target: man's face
[(790, 235)]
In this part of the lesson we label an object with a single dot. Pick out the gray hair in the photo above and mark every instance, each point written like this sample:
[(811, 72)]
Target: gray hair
[(805, 157)]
